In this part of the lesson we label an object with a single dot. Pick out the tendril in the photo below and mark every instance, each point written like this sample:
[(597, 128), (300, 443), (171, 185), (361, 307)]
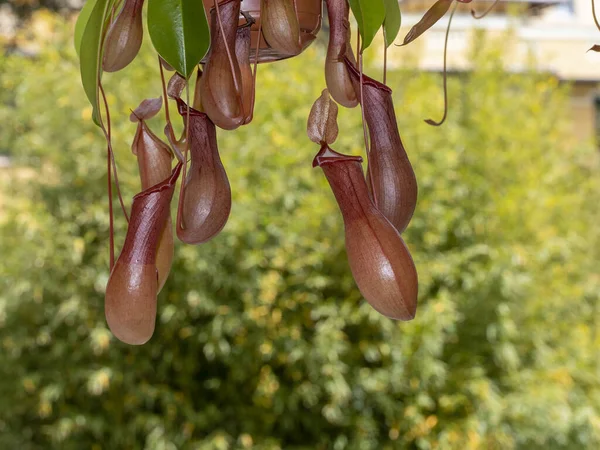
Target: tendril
[(255, 70), (111, 225), (185, 156), (107, 134), (357, 46), (445, 74), (164, 91), (364, 124), (167, 115), (385, 55), (487, 11), (594, 15)]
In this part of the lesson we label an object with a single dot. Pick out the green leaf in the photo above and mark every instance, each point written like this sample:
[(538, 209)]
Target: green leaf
[(81, 23), (91, 53), (392, 21), (179, 31), (369, 15)]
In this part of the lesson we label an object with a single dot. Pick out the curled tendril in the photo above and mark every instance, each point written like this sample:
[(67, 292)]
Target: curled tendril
[(486, 12), (594, 15), (445, 74)]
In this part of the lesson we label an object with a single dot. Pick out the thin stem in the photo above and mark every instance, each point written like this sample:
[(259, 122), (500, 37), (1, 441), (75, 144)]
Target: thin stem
[(108, 136), (112, 12), (357, 45), (164, 89), (187, 124), (99, 75), (430, 121), (172, 139), (111, 224), (187, 146), (362, 109), (298, 20), (487, 11), (365, 134), (255, 70), (236, 83), (115, 9), (385, 52), (594, 15)]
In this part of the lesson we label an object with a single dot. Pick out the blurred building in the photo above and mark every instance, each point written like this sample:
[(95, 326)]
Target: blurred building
[(554, 33)]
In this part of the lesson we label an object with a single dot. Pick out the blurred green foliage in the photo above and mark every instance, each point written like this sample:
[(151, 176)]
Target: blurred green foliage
[(262, 340)]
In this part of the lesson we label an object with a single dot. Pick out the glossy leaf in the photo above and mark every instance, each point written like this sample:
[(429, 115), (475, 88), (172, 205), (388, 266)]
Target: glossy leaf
[(179, 32), (435, 13), (81, 23), (369, 15), (393, 19), (91, 54)]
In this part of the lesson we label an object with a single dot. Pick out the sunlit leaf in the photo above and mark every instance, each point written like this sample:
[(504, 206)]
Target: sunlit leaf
[(91, 53), (392, 21), (82, 21), (179, 31), (369, 15), (435, 13)]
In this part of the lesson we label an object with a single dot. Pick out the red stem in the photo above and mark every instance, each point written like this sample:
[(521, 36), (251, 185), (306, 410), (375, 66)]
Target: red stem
[(111, 226), (255, 70), (164, 89), (364, 124), (357, 45), (185, 162), (385, 52), (167, 115), (112, 153)]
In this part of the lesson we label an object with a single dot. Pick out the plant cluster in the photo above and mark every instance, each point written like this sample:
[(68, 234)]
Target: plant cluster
[(108, 37), (223, 41)]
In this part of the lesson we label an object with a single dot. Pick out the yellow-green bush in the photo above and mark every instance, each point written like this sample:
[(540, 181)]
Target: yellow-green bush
[(262, 340)]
